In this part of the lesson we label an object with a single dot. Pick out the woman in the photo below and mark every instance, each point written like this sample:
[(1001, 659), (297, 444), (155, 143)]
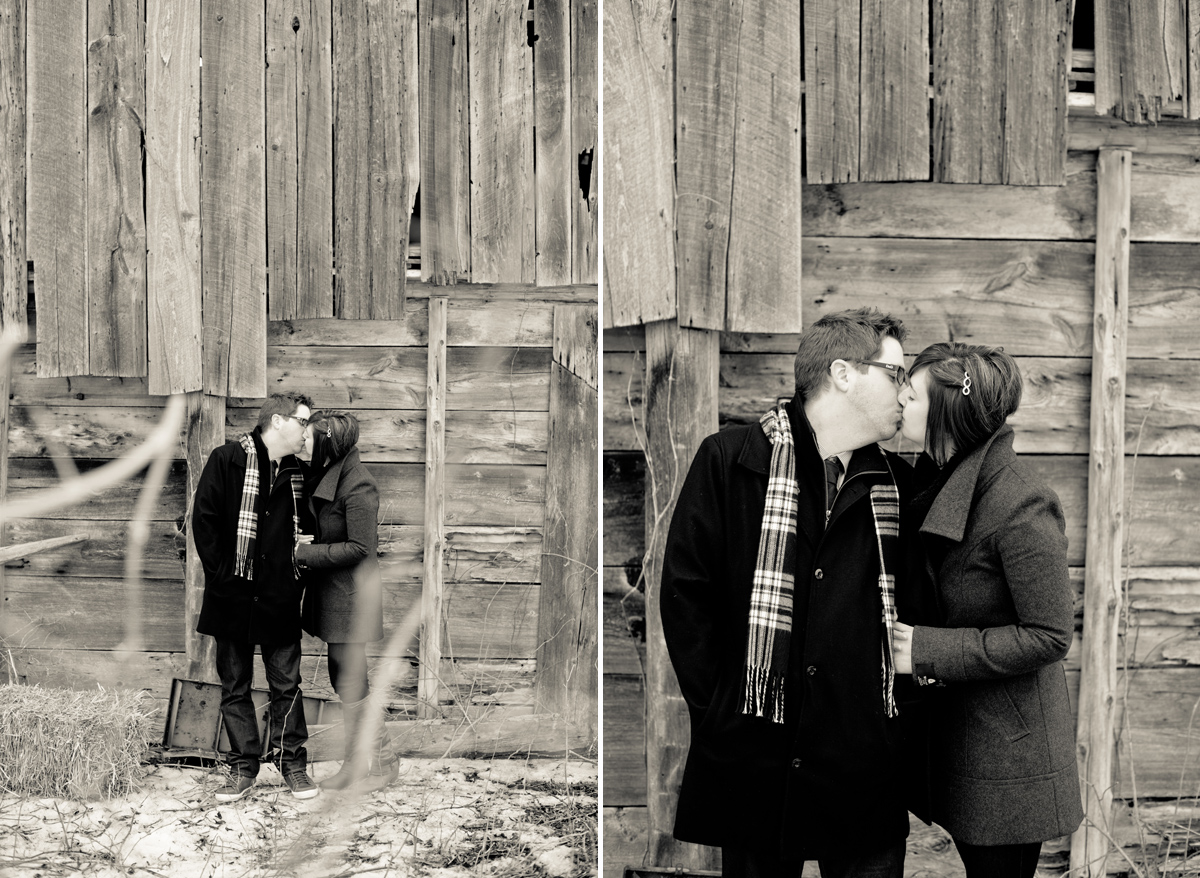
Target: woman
[(343, 598), (1003, 775)]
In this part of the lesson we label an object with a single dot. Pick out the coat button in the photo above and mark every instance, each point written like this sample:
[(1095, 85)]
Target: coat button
[(811, 669), (795, 763), (256, 600), (819, 574)]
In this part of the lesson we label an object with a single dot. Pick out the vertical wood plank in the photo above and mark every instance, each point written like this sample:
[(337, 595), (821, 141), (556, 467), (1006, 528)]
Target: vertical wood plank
[(639, 151), (233, 199), (173, 288), (410, 26), (832, 40), (585, 224), (552, 141), (1096, 729), (429, 683), (56, 205), (14, 273), (967, 139), (566, 675), (681, 409), (445, 155), (706, 101), (370, 164), (299, 104), (1035, 97), (763, 291), (116, 219), (1192, 18), (205, 431), (894, 132), (1132, 79), (502, 180)]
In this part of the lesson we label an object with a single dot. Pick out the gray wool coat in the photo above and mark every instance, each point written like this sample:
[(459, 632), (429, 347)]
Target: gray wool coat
[(1002, 744), (343, 592)]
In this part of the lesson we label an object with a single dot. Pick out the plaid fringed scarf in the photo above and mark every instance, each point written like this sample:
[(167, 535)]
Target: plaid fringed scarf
[(247, 526), (770, 632)]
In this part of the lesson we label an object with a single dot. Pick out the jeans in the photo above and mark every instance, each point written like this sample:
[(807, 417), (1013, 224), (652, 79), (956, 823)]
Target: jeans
[(999, 861), (887, 862), (348, 671), (287, 728)]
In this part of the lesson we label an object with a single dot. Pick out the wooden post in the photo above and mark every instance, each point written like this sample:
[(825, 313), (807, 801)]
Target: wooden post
[(556, 172), (566, 644), (206, 430), (429, 682), (681, 409), (1096, 734)]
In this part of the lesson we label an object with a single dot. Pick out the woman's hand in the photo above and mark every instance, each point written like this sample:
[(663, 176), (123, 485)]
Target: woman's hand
[(902, 647), (303, 539)]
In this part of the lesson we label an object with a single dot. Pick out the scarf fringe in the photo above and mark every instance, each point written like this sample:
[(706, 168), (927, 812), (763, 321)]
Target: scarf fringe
[(762, 694)]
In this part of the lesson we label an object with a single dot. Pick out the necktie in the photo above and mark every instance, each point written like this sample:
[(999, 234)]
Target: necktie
[(833, 471), (274, 471)]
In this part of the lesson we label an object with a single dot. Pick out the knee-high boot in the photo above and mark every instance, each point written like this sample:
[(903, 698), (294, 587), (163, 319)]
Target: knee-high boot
[(382, 765), (354, 766)]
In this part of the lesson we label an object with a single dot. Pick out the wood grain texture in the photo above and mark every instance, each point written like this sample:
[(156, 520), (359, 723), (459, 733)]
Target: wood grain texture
[(681, 369), (762, 293), (894, 121), (14, 287), (832, 77), (1133, 78), (56, 206), (299, 106), (116, 218), (585, 159), (1035, 92), (370, 158), (432, 591), (445, 142), (1192, 40), (639, 149), (1096, 732), (233, 199), (567, 652), (706, 104), (173, 277), (554, 159), (502, 179)]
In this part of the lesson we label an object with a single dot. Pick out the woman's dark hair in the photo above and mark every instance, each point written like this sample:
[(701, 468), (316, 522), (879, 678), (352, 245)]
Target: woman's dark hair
[(964, 421), (334, 434), (843, 335)]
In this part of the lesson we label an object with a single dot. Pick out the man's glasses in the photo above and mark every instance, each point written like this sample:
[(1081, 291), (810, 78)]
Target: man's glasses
[(303, 422), (899, 374)]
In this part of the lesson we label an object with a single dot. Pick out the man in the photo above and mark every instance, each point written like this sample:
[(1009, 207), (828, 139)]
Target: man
[(774, 606), (246, 515)]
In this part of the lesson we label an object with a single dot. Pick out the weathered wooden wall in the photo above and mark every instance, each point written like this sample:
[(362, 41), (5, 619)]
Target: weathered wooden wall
[(1002, 265), (64, 608)]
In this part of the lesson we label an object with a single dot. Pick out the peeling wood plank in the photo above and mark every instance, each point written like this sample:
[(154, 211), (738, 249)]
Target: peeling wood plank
[(233, 199), (639, 151), (552, 115), (502, 179), (1132, 75), (584, 169), (894, 123), (445, 151), (173, 278), (56, 207), (116, 219), (832, 77), (763, 271), (370, 157)]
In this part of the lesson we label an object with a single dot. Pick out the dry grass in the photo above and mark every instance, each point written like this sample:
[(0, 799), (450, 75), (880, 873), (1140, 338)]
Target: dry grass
[(71, 744)]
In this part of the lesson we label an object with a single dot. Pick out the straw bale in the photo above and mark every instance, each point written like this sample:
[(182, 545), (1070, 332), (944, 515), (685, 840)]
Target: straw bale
[(72, 744)]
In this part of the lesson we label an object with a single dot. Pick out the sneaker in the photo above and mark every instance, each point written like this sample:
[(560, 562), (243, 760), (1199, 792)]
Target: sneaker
[(235, 787), (300, 783)]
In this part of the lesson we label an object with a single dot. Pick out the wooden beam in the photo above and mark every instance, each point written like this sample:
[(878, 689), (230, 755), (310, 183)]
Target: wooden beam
[(173, 279), (11, 553), (1096, 732), (567, 621), (429, 684), (681, 409), (205, 431)]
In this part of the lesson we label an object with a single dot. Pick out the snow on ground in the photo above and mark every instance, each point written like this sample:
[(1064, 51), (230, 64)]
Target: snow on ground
[(440, 819)]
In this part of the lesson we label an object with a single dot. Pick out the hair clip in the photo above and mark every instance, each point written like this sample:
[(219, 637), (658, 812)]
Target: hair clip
[(966, 385)]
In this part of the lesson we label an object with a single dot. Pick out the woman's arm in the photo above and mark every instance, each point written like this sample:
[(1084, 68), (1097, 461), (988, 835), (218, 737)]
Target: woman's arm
[(362, 523)]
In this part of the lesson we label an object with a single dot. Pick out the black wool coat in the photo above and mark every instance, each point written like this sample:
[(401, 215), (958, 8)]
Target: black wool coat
[(1002, 741), (343, 595), (265, 609), (831, 775)]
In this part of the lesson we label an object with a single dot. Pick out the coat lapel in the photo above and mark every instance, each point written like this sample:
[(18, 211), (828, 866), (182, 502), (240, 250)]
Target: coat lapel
[(948, 515), (327, 489)]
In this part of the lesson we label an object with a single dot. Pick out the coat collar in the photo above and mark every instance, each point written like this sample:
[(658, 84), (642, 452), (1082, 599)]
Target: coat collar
[(756, 450), (948, 515), (327, 489)]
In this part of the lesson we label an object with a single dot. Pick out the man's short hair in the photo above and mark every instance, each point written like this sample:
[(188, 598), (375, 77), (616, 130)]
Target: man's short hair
[(842, 335), (334, 434), (284, 404), (965, 421)]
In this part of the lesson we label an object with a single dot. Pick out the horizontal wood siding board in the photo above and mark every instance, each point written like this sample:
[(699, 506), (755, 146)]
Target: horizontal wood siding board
[(624, 510), (524, 325), (624, 740), (56, 207), (116, 219), (639, 153), (103, 556), (173, 279)]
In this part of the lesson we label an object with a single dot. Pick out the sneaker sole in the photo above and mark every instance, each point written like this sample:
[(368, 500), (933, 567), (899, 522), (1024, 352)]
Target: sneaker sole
[(305, 794), (226, 797)]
